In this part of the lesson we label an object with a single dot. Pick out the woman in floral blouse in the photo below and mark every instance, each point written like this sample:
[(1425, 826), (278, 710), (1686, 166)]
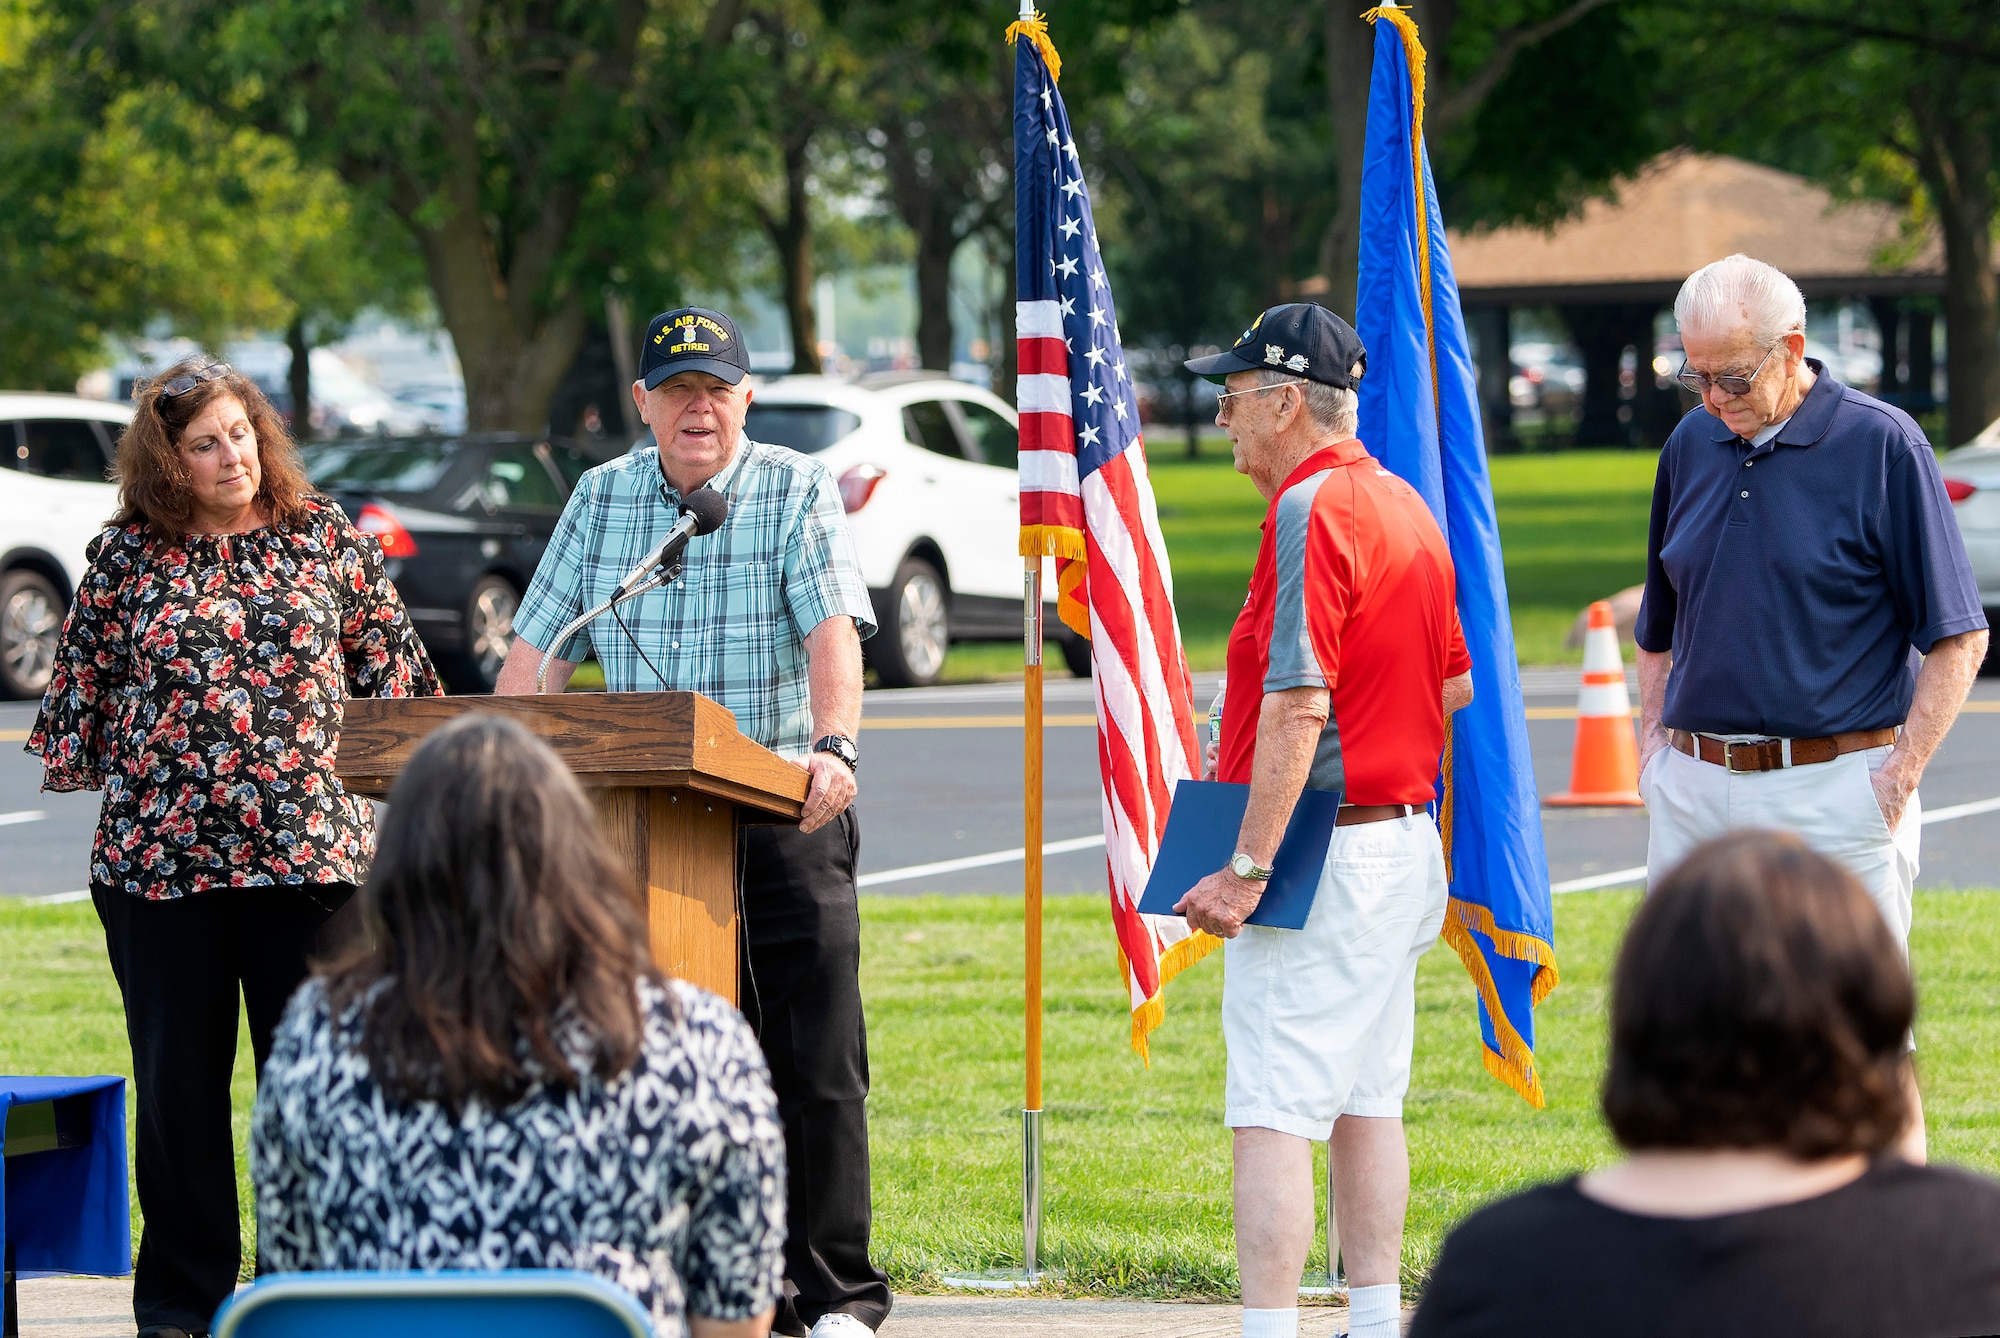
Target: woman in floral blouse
[(227, 614), (498, 1077)]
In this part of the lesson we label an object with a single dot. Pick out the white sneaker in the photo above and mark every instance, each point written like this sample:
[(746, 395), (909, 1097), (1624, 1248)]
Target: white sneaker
[(841, 1325)]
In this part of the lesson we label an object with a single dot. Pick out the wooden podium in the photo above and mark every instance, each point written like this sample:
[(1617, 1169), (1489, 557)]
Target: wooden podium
[(671, 778)]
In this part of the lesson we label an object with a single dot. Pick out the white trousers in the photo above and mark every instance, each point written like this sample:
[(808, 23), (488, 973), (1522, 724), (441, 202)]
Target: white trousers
[(1830, 806), (1320, 1022)]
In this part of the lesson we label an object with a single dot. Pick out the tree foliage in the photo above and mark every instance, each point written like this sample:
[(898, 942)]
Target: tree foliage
[(1894, 99)]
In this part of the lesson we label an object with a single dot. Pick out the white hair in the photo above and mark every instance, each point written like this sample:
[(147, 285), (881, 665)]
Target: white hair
[(1736, 293), (1337, 411)]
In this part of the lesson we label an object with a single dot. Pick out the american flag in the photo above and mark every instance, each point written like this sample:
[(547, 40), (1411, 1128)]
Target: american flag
[(1086, 500)]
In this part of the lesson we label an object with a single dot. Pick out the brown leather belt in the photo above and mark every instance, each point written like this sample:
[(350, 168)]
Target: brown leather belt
[(1354, 815), (1777, 754)]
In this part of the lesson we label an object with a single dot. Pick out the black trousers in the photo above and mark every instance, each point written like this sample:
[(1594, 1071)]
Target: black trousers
[(801, 991), (180, 965)]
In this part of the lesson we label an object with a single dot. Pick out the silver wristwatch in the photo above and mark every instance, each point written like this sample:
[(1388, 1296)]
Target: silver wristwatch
[(1244, 867)]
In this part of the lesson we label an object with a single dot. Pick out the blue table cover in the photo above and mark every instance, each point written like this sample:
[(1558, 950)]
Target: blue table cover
[(67, 1210)]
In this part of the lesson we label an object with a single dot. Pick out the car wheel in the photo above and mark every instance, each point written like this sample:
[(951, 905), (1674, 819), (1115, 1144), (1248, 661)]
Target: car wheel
[(1075, 652), (489, 633), (916, 632), (31, 618)]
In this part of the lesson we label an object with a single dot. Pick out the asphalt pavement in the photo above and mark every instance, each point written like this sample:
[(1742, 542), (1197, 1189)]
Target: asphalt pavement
[(941, 802)]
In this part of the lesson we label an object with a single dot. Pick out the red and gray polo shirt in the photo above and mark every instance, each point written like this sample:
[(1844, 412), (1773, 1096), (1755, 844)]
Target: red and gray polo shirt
[(1353, 592)]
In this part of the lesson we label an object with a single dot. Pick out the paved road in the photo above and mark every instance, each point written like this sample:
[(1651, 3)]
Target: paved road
[(941, 781)]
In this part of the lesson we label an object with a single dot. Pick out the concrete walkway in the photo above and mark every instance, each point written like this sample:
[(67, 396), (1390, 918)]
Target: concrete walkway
[(102, 1308)]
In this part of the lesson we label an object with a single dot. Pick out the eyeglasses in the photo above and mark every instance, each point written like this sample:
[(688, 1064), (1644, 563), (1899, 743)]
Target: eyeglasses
[(181, 385), (1256, 390), (1699, 382)]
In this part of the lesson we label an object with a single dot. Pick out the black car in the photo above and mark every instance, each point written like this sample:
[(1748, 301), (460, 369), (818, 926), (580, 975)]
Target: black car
[(462, 521)]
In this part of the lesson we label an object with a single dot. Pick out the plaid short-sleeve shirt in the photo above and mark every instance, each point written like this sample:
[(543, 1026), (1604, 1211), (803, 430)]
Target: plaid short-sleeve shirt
[(733, 627)]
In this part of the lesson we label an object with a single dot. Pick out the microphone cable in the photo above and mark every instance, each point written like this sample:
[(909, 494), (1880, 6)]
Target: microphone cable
[(619, 618)]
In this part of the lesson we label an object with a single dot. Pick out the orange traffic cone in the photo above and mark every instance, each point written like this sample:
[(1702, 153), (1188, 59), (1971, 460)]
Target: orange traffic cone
[(1604, 771)]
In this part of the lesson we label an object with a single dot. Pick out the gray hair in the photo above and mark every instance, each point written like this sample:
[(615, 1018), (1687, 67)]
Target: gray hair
[(1337, 411), (1737, 292)]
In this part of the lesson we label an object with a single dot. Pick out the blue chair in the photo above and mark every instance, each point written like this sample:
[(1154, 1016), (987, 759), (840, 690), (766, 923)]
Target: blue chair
[(528, 1302)]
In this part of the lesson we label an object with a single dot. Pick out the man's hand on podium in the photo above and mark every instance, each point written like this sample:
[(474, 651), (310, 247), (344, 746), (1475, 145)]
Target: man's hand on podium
[(832, 791)]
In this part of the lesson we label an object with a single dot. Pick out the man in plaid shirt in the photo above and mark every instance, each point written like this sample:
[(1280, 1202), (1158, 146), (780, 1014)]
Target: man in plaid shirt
[(767, 619)]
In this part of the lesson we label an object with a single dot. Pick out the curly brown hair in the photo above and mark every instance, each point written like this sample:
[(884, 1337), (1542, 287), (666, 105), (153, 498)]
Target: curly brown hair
[(499, 926), (1760, 1001), (154, 487)]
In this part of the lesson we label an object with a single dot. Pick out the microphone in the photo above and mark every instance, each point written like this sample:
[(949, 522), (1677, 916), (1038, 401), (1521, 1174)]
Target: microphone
[(702, 512)]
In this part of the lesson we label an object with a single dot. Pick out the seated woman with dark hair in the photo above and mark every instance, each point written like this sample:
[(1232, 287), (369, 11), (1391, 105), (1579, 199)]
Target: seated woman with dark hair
[(502, 1079), (1760, 1012)]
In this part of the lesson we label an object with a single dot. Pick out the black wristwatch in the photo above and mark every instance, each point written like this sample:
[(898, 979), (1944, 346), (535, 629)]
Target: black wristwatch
[(841, 747)]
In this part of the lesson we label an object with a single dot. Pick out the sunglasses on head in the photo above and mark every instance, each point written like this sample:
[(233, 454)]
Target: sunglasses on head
[(181, 385)]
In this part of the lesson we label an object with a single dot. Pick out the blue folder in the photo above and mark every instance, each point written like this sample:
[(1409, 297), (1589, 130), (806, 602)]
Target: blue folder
[(1202, 827)]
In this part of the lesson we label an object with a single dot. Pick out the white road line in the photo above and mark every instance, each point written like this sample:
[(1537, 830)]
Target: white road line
[(25, 815), (1625, 877), (1616, 878), (976, 861), (56, 899), (1962, 811), (1621, 878)]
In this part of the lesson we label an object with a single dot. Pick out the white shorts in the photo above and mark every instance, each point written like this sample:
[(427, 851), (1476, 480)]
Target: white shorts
[(1830, 805), (1320, 1021)]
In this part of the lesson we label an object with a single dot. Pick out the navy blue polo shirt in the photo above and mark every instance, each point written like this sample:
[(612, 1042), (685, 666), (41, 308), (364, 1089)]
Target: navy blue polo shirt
[(1797, 582)]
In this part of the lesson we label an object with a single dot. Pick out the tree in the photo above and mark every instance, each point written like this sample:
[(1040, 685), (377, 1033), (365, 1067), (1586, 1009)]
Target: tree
[(1900, 101), (145, 208), (805, 99), (940, 113), (530, 148), (1471, 54), (1181, 152)]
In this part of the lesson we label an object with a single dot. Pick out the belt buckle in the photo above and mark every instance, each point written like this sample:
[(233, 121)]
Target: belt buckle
[(1729, 760)]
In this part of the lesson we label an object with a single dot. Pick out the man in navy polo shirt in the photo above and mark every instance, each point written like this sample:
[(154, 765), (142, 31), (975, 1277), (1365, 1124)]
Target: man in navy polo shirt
[(1811, 625)]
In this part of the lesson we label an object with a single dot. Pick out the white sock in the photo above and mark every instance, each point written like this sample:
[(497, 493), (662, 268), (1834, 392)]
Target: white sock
[(1271, 1323), (1374, 1312)]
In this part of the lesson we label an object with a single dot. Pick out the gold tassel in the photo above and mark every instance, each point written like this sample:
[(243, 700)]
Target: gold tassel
[(1036, 30)]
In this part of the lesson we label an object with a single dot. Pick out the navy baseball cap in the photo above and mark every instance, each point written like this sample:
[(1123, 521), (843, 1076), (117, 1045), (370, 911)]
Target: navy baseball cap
[(1302, 338), (693, 339)]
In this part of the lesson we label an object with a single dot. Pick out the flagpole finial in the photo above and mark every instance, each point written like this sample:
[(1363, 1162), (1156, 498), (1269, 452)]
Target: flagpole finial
[(1027, 11)]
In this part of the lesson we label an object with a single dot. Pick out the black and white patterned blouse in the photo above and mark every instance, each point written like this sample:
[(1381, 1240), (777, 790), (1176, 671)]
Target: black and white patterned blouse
[(669, 1180)]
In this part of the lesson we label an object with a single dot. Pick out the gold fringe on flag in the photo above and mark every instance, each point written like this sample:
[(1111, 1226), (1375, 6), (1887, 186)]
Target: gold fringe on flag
[(1065, 545), (1036, 30), (1148, 1016)]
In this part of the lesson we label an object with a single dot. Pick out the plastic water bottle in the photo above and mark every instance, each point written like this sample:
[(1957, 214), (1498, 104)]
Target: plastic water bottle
[(1215, 711)]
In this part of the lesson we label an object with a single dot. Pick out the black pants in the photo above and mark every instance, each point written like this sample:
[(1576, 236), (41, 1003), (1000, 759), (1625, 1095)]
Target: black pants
[(802, 992), (180, 964)]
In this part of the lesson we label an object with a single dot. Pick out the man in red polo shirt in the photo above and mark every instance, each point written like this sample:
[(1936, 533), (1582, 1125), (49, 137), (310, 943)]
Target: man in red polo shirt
[(1343, 664)]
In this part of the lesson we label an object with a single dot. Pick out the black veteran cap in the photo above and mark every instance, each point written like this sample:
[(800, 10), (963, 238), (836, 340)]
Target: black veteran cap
[(693, 339), (1302, 338)]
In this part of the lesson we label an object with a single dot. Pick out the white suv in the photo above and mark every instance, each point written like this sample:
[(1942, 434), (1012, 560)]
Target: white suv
[(1972, 480), (55, 463), (927, 471)]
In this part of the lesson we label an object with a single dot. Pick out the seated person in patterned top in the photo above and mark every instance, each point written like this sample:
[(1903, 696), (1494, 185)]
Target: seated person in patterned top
[(226, 616), (500, 1078), (1759, 1015)]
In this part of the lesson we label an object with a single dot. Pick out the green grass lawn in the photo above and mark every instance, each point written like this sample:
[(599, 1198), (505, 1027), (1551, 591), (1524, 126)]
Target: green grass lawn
[(1137, 1160), (1572, 529)]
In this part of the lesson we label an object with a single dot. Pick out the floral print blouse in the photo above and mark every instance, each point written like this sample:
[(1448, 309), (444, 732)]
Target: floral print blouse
[(669, 1180), (199, 683)]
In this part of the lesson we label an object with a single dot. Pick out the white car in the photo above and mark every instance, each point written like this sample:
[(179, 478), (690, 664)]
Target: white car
[(927, 471), (55, 496), (1972, 480)]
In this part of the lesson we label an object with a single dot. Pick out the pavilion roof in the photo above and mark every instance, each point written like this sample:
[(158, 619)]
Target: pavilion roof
[(1678, 213)]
